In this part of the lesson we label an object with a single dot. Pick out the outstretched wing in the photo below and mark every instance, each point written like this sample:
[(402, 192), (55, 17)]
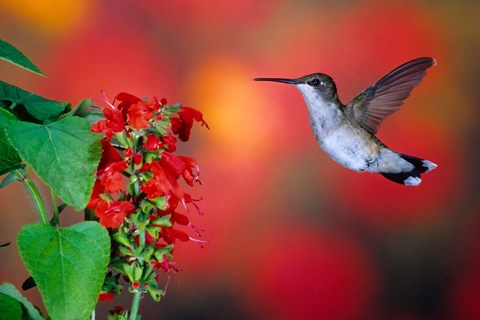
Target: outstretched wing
[(386, 96)]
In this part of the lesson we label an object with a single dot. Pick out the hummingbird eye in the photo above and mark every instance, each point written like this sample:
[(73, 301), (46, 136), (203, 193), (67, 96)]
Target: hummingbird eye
[(315, 82)]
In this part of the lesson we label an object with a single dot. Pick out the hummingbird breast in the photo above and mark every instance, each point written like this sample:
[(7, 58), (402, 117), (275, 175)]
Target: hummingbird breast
[(348, 144), (351, 147)]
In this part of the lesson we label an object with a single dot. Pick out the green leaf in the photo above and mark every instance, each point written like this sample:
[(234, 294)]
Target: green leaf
[(29, 311), (84, 110), (9, 158), (68, 265), (11, 177), (10, 309), (13, 55), (5, 117), (64, 154), (26, 105)]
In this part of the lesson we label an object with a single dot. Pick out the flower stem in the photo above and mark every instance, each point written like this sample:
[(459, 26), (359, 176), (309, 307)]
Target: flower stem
[(141, 239), (135, 304), (137, 293), (34, 194)]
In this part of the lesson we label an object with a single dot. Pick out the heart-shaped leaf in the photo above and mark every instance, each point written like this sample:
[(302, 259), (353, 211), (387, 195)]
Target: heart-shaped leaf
[(68, 265), (9, 158), (13, 55), (29, 312), (64, 154), (10, 309), (26, 105)]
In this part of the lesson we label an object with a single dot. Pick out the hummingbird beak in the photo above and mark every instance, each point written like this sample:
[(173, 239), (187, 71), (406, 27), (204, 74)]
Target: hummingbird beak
[(287, 81)]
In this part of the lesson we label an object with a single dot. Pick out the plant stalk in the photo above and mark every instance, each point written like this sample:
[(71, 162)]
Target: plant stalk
[(138, 293), (35, 195), (135, 304)]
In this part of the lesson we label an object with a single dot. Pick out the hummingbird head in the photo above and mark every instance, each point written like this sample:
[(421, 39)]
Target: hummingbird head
[(313, 86)]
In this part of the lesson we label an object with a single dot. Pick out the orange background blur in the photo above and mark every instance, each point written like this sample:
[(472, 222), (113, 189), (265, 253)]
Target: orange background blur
[(293, 234)]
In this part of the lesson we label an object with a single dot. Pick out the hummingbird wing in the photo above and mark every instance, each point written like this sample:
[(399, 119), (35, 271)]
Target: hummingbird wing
[(386, 96)]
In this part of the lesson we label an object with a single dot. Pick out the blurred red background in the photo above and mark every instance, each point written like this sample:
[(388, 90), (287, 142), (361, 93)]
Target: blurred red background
[(293, 235)]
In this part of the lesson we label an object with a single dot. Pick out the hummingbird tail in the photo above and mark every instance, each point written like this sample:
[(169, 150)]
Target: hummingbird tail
[(411, 178)]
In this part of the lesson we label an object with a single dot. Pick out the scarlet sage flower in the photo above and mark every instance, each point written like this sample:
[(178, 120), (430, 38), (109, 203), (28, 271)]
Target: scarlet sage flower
[(111, 176), (105, 297), (113, 213), (158, 185), (162, 183), (170, 142), (109, 154), (131, 181), (180, 166), (153, 143), (114, 122), (109, 169), (165, 265), (126, 100), (117, 310), (182, 124), (139, 114), (170, 235), (133, 156), (98, 189), (135, 284)]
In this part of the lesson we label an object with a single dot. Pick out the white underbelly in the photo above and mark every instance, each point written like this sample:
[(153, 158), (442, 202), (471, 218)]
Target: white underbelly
[(350, 148)]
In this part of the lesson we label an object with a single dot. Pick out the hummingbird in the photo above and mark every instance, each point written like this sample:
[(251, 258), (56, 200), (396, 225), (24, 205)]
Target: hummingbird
[(347, 132)]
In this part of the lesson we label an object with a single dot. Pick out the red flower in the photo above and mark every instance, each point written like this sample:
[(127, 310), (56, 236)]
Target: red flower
[(180, 166), (175, 216), (188, 199), (98, 189), (108, 172), (135, 284), (109, 154), (139, 114), (158, 185), (153, 143), (170, 141), (117, 310), (113, 213), (163, 182), (164, 264), (180, 218), (133, 156), (111, 176), (105, 297), (114, 122), (183, 124), (126, 100), (170, 235)]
